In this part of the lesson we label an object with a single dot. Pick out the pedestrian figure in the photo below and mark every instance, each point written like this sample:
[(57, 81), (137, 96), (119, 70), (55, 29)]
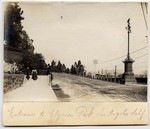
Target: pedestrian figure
[(48, 69), (50, 75), (34, 74), (28, 73), (50, 78)]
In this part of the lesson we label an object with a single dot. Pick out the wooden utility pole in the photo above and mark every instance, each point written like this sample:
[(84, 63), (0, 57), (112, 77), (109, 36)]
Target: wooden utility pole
[(115, 73), (102, 75)]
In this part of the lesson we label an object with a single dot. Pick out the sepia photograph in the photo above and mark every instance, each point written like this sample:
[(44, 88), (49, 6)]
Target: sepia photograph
[(75, 51)]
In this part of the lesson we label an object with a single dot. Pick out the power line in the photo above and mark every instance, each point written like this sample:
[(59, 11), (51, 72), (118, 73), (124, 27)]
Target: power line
[(146, 7), (122, 63), (123, 55), (113, 59), (138, 50), (144, 15), (142, 62), (141, 56), (112, 66), (119, 64), (139, 67)]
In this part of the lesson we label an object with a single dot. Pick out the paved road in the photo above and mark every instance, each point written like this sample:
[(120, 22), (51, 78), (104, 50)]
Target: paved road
[(31, 90)]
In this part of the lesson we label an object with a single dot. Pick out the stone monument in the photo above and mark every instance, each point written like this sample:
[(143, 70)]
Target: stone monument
[(128, 75)]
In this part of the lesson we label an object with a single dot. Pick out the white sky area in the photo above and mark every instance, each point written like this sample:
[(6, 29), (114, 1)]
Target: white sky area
[(86, 31)]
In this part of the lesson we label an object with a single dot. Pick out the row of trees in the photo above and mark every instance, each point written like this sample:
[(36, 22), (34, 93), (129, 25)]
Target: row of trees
[(59, 67), (76, 69), (16, 37)]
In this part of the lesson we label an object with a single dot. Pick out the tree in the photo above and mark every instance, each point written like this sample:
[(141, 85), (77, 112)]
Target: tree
[(12, 25), (63, 68), (73, 70), (38, 61), (26, 42), (35, 61), (79, 63), (14, 35), (53, 66), (18, 40), (84, 73), (59, 67), (67, 70), (80, 68)]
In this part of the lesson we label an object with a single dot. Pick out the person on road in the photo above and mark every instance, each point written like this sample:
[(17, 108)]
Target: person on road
[(34, 74), (50, 78), (28, 73), (50, 75), (48, 69)]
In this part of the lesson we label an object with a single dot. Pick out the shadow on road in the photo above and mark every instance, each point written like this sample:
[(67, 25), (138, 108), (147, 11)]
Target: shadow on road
[(60, 93)]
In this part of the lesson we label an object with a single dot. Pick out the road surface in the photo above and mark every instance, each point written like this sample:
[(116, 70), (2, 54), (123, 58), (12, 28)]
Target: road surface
[(86, 89), (76, 89)]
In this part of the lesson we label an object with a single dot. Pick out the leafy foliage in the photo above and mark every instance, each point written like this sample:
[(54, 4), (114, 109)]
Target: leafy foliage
[(12, 25), (59, 67), (78, 69), (18, 40)]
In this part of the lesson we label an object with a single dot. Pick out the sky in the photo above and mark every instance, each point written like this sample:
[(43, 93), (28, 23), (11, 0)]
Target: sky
[(87, 31)]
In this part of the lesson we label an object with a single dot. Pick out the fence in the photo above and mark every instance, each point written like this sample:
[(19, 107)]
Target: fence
[(141, 80)]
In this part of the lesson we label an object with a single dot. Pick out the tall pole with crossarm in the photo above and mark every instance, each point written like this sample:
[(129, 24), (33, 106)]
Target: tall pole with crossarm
[(128, 75)]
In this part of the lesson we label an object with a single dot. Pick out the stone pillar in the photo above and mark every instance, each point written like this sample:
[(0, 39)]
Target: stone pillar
[(128, 75)]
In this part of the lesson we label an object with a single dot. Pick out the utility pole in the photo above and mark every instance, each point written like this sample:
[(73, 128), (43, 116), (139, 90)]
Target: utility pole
[(115, 73), (95, 62), (102, 75)]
